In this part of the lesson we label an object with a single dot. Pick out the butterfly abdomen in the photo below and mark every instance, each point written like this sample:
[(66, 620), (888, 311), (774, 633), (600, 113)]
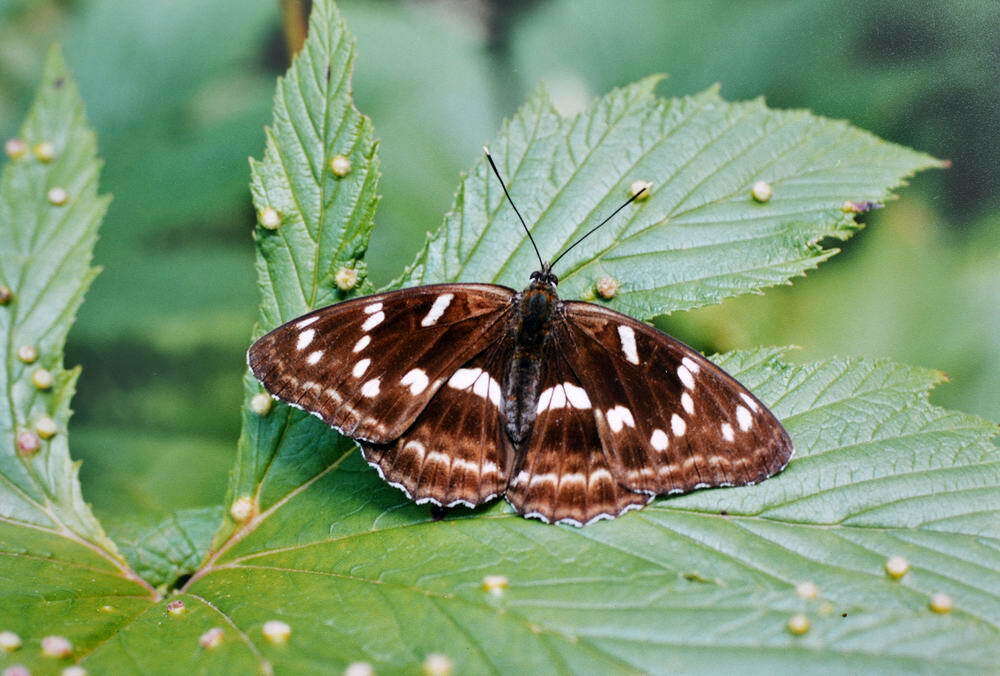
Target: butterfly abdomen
[(535, 309)]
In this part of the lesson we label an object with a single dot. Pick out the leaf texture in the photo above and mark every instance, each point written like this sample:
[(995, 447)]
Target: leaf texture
[(57, 563), (700, 237), (701, 583)]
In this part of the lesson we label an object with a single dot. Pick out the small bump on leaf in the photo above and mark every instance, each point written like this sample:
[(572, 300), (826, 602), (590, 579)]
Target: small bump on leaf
[(859, 207), (761, 191), (9, 641), (56, 647), (495, 584), (437, 664), (42, 379), (645, 187), (27, 354), (806, 590), (74, 670), (15, 148), (46, 427), (6, 295), (269, 218), (607, 287), (211, 638), (57, 196), (16, 670), (896, 567), (260, 404), (242, 509), (941, 603), (798, 624), (346, 278), (45, 151), (28, 443), (359, 669), (340, 166), (176, 607), (276, 631)]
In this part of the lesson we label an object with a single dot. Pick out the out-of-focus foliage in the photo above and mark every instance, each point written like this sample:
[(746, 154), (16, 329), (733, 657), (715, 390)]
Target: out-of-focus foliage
[(160, 346)]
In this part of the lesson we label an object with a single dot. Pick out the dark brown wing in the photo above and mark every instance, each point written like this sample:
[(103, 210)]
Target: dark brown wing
[(456, 452), (369, 366), (563, 473), (670, 420)]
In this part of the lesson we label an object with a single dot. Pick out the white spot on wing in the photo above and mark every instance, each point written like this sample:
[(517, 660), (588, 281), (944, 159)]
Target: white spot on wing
[(691, 364), (487, 388), (619, 417), (627, 335), (305, 338), (600, 474), (482, 383), (314, 357), (688, 403), (362, 343), (576, 396), (677, 425), (416, 379), (685, 376), (659, 440), (373, 321), (462, 379), (371, 388), (544, 399), (441, 304), (360, 368), (744, 417), (727, 431), (750, 402), (373, 308), (306, 322)]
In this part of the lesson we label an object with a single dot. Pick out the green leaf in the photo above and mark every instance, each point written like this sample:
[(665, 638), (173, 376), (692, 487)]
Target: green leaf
[(699, 237), (166, 551), (57, 561), (700, 583), (703, 582)]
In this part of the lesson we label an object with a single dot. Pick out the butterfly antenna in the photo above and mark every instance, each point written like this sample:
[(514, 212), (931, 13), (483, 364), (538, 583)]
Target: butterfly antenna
[(594, 229), (519, 216)]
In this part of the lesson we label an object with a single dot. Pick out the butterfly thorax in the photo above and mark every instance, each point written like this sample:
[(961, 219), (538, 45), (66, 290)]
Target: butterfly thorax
[(532, 326)]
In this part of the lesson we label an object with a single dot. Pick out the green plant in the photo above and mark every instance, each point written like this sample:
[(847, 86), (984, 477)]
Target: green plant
[(314, 539)]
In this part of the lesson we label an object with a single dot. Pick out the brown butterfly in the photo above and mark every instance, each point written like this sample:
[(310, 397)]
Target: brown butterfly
[(460, 393)]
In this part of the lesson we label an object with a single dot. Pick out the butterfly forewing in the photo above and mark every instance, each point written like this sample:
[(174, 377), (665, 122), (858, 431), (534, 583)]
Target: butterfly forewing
[(369, 366), (563, 473), (670, 421), (456, 452)]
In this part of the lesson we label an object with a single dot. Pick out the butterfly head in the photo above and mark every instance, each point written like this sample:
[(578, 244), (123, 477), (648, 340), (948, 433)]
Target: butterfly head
[(544, 279)]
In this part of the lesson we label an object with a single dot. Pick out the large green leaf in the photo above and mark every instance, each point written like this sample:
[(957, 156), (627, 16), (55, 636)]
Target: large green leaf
[(705, 582), (699, 237), (700, 583), (58, 567)]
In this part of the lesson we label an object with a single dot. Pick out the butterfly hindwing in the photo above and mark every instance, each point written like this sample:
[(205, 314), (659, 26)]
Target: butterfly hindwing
[(563, 473), (456, 452), (369, 366), (669, 419)]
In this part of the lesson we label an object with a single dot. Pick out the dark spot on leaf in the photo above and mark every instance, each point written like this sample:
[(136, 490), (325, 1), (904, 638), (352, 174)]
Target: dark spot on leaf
[(843, 614), (327, 72), (696, 577), (181, 580), (58, 82), (723, 513)]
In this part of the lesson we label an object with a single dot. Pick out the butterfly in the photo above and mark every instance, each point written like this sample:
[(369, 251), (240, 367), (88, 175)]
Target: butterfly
[(461, 393)]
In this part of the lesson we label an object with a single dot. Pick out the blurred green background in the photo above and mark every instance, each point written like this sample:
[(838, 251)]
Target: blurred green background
[(179, 90)]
